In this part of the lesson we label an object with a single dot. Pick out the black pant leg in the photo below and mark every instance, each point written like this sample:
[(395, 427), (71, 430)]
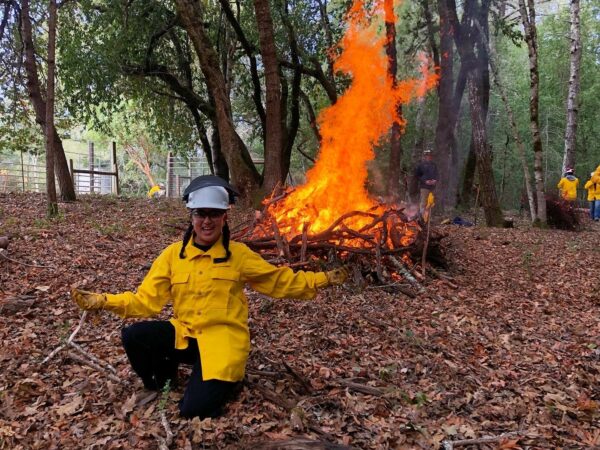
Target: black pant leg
[(205, 398), (150, 347)]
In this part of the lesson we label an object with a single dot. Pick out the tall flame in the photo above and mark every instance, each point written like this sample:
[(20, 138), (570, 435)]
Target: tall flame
[(350, 128)]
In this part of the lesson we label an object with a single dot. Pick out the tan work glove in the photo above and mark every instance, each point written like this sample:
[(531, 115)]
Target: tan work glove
[(337, 276), (88, 300)]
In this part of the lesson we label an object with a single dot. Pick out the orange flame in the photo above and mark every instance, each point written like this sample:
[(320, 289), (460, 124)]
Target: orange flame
[(350, 128)]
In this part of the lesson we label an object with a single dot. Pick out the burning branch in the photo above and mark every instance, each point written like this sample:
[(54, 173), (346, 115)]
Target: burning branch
[(375, 249)]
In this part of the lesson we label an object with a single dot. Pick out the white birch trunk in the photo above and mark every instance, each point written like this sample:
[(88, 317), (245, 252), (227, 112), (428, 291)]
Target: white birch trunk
[(528, 19), (572, 108)]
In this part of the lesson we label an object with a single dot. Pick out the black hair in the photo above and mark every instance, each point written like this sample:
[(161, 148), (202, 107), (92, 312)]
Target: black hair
[(226, 236), (186, 238)]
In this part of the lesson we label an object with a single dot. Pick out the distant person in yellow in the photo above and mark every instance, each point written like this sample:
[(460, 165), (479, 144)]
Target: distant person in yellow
[(156, 191), (593, 188), (567, 186)]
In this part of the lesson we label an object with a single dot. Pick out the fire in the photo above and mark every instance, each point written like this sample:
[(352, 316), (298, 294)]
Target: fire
[(336, 184)]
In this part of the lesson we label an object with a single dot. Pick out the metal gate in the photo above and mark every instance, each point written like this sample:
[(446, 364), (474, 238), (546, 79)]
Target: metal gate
[(182, 170), (26, 172)]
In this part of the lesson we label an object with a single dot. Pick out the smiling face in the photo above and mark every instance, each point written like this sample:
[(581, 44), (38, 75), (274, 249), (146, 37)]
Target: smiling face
[(208, 225)]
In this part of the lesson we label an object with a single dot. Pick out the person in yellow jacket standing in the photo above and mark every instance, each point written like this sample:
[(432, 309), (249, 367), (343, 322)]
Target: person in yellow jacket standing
[(567, 186), (593, 188), (203, 276)]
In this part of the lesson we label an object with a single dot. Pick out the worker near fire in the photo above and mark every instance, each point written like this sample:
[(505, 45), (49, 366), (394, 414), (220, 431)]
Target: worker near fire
[(567, 185), (426, 174), (593, 196), (203, 276)]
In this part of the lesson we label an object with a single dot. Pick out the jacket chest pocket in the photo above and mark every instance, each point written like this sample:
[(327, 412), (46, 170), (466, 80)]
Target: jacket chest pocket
[(180, 284), (224, 285)]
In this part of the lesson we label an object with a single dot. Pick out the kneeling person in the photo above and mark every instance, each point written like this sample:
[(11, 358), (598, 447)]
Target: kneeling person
[(203, 276)]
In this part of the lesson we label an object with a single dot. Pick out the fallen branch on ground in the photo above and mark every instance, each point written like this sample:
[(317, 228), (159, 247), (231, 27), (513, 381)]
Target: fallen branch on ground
[(406, 274), (3, 255), (300, 444), (362, 388), (84, 356), (449, 445), (288, 405), (80, 359), (164, 444)]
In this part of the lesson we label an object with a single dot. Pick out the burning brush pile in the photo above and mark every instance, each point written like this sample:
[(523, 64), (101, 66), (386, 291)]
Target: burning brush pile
[(332, 218)]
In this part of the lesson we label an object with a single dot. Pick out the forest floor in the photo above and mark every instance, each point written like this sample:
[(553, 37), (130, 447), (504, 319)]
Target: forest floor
[(509, 343)]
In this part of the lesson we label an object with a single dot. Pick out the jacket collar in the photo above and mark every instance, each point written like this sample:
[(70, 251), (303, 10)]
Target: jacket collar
[(216, 251)]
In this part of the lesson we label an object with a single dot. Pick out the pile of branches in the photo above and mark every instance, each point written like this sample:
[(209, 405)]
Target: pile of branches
[(389, 246), (561, 214)]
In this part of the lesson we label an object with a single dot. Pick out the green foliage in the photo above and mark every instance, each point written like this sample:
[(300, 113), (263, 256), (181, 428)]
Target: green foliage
[(553, 44), (420, 399), (49, 220), (111, 55), (111, 229), (164, 396), (104, 50)]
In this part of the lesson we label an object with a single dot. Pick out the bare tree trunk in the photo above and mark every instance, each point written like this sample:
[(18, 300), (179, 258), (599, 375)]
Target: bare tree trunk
[(328, 36), (67, 190), (139, 153), (444, 128), (572, 109), (528, 19), (290, 127), (412, 183), (272, 174), (435, 53), (203, 135), (50, 185), (221, 167), (393, 181), (243, 172), (489, 199), (474, 59), (470, 167), (312, 117), (513, 127), (250, 50), (456, 194)]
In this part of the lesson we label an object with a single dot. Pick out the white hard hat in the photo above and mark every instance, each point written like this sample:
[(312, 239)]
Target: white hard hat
[(215, 197)]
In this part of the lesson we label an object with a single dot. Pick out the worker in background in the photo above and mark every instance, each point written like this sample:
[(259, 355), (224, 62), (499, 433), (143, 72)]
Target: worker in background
[(567, 186), (426, 174), (593, 188), (157, 191)]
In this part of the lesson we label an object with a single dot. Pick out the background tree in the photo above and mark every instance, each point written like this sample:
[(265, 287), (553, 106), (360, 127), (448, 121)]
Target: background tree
[(49, 131), (528, 18), (573, 93), (273, 173), (67, 189), (393, 179)]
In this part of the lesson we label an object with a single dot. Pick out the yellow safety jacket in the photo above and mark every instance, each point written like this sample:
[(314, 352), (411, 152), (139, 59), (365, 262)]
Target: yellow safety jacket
[(209, 302), (593, 187), (153, 190), (568, 188)]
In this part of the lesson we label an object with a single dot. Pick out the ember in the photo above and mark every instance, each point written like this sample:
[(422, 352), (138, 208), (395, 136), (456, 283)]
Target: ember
[(333, 211)]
